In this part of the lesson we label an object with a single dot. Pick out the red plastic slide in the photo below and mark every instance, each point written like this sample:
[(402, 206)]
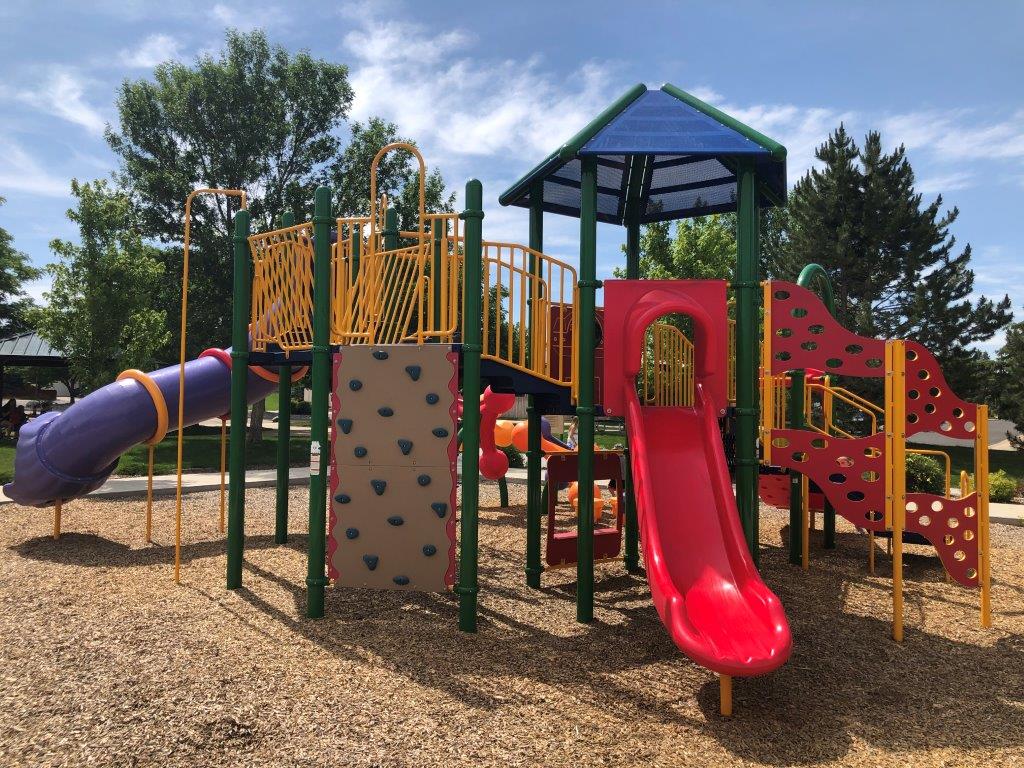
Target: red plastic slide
[(703, 582)]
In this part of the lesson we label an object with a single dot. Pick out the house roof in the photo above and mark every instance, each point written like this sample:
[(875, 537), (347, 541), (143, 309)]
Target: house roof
[(29, 349), (661, 155)]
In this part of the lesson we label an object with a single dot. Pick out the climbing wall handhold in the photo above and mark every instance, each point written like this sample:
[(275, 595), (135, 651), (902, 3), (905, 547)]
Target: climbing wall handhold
[(429, 550), (371, 561), (423, 480), (379, 486), (440, 508), (345, 425), (401, 580), (414, 371), (440, 432), (343, 498), (405, 446), (351, 533), (385, 411), (355, 385), (395, 520), (359, 452), (380, 354), (432, 399)]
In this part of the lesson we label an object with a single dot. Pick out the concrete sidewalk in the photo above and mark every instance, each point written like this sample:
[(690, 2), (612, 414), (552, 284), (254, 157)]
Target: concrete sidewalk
[(192, 482)]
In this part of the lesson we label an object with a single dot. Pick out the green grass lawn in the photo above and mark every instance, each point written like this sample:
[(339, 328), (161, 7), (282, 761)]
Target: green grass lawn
[(272, 400), (201, 453), (962, 457)]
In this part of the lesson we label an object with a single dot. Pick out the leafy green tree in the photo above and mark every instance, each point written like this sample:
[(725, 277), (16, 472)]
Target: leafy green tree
[(256, 118), (891, 257), (1010, 375), (15, 271), (397, 176), (100, 308)]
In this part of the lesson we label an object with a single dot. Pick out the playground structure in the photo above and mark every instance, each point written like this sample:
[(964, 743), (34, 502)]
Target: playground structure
[(380, 314)]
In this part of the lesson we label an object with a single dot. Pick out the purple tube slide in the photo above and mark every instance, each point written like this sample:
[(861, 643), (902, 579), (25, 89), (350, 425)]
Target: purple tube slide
[(64, 455)]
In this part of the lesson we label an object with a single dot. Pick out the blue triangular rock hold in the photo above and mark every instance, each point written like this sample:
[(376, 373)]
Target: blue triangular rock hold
[(371, 561), (414, 372), (405, 446), (345, 425), (440, 508), (379, 486)]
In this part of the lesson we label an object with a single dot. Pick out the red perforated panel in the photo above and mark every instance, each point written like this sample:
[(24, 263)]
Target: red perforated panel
[(774, 491), (849, 472), (931, 404), (951, 525), (805, 335)]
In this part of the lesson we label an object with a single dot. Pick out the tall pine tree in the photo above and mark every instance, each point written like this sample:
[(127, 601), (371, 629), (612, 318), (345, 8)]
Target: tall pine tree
[(891, 257)]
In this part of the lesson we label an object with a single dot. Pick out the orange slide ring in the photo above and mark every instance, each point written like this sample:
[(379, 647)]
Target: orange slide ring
[(260, 371), (158, 401)]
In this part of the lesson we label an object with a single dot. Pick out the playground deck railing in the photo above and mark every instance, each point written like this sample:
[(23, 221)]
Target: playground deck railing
[(666, 375)]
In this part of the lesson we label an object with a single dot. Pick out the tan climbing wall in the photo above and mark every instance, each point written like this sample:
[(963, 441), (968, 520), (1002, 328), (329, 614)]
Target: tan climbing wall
[(393, 465)]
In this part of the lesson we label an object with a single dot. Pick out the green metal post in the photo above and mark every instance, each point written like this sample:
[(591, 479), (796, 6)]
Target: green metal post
[(284, 433), (472, 332), (631, 557), (815, 273), (747, 291), (239, 384), (502, 492), (585, 403), (391, 230), (319, 446), (796, 421), (534, 511)]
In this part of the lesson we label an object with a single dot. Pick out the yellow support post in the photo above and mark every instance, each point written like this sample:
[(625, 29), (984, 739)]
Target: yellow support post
[(181, 363), (767, 380), (805, 516), (149, 495), (56, 519), (871, 553), (895, 470), (223, 466), (981, 488), (725, 695)]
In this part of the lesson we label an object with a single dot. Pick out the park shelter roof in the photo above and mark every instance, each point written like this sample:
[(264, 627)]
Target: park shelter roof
[(661, 155), (29, 349)]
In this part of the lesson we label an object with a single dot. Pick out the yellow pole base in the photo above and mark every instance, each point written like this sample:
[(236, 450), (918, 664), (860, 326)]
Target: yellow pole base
[(871, 553), (725, 695), (56, 520)]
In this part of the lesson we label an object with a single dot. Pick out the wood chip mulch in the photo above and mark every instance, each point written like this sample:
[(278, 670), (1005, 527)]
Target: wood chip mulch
[(104, 661)]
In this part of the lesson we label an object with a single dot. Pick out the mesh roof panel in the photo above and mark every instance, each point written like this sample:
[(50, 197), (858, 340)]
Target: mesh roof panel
[(676, 159)]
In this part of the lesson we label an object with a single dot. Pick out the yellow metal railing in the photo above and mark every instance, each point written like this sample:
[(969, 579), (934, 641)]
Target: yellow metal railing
[(666, 370), (520, 287), (282, 288)]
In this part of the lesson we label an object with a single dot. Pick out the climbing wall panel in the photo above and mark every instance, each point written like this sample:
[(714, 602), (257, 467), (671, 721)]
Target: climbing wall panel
[(393, 467), (805, 335), (850, 472), (931, 404), (951, 526)]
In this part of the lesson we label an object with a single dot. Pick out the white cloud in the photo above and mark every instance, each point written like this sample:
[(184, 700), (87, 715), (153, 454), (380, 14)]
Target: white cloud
[(154, 49), (63, 94), (21, 172), (943, 183), (248, 17), (36, 288)]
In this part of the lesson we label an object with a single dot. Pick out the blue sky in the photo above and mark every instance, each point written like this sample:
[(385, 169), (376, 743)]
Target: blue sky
[(487, 89)]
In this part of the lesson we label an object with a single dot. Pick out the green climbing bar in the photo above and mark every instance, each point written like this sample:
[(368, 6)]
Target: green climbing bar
[(239, 384)]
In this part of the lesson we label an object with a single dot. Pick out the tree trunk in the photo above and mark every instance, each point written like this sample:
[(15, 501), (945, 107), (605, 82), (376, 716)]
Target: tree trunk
[(255, 433)]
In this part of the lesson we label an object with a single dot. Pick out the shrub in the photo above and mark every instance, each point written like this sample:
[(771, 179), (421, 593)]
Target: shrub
[(301, 408), (516, 460), (1001, 487), (925, 475)]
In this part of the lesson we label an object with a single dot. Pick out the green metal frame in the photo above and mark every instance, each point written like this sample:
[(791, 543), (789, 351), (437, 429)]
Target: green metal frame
[(747, 291), (810, 275), (534, 510), (284, 431), (631, 556), (239, 406), (316, 580), (472, 332), (585, 400)]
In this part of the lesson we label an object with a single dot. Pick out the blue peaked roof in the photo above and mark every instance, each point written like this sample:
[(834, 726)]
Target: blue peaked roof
[(661, 155)]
